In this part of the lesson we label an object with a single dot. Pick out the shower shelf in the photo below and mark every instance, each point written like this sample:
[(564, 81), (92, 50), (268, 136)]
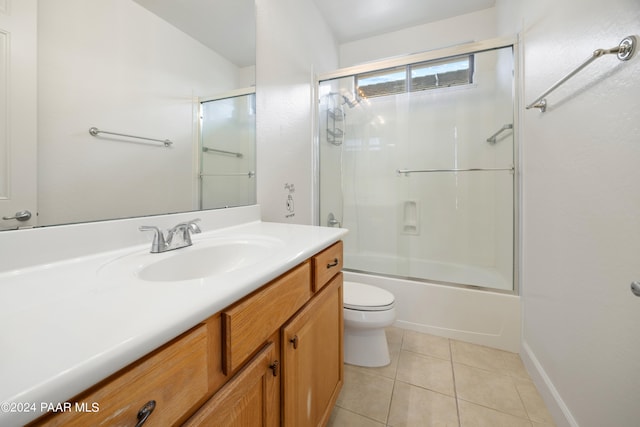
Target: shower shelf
[(337, 115), (334, 133)]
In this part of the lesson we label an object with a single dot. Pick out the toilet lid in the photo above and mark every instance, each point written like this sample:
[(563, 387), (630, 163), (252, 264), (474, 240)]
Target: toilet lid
[(358, 296)]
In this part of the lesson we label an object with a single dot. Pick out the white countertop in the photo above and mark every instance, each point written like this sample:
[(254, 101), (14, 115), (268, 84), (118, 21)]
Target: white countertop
[(66, 327)]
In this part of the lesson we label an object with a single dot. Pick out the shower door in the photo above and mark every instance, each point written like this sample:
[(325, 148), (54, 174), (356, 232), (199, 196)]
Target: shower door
[(228, 151), (417, 160)]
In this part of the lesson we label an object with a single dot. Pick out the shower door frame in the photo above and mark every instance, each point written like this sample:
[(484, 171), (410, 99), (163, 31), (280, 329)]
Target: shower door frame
[(458, 50)]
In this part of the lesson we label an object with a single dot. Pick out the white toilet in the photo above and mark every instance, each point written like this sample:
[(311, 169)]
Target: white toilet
[(367, 311)]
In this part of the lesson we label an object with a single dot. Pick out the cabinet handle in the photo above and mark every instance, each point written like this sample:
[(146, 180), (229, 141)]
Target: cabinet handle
[(294, 341), (274, 367), (334, 263), (145, 411)]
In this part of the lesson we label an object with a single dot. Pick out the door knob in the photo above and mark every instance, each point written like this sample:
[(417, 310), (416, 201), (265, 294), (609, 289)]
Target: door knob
[(635, 288), (20, 216)]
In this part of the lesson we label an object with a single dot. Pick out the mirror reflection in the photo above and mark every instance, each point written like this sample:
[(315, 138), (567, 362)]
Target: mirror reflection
[(228, 144), (120, 66)]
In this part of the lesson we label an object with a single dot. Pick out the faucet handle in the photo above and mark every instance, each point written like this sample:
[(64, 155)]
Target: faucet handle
[(193, 227), (158, 244), (183, 230), (190, 227)]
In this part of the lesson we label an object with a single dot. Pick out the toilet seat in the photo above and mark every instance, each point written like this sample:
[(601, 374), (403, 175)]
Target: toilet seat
[(361, 297)]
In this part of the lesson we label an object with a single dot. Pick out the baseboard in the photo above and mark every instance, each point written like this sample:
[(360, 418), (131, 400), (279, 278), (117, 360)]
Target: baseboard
[(557, 408)]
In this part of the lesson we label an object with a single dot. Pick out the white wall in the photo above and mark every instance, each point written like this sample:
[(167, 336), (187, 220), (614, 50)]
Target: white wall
[(471, 27), (293, 44), (580, 245), (116, 66)]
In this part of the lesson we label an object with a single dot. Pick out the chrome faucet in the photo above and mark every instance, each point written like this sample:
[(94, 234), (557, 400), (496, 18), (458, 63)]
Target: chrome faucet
[(177, 237)]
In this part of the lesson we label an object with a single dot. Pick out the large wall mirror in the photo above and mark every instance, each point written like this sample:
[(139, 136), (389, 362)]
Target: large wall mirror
[(141, 68)]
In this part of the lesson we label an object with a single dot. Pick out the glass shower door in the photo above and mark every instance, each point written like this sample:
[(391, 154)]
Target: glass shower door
[(421, 171)]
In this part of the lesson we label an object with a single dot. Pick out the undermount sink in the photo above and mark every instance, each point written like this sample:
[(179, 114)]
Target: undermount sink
[(206, 258)]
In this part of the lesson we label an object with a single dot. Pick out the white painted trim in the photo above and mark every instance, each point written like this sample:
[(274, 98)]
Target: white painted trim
[(559, 411)]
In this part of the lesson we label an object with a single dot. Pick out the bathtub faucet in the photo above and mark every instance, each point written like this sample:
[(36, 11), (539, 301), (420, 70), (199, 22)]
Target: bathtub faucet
[(178, 236), (332, 221)]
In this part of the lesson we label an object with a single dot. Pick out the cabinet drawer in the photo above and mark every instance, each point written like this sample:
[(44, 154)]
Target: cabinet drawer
[(174, 376), (326, 264), (246, 326)]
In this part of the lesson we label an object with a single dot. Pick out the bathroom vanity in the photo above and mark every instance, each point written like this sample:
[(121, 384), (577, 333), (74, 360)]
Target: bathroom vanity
[(263, 352), (230, 369)]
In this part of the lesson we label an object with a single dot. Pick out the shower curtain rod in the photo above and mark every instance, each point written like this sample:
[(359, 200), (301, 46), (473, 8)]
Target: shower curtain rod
[(408, 171), (625, 51)]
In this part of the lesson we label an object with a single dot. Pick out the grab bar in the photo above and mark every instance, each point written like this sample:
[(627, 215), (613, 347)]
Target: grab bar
[(492, 138), (215, 150), (408, 171), (94, 131), (625, 51)]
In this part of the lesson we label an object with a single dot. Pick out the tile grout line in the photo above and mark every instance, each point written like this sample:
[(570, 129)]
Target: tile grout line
[(526, 410), (395, 379), (455, 390)]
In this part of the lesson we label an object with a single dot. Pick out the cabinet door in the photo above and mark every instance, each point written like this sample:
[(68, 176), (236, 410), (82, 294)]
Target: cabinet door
[(250, 398), (312, 359)]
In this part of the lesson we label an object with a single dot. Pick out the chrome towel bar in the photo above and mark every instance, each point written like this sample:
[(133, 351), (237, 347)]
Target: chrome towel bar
[(216, 151), (624, 50), (94, 131), (250, 174), (408, 171), (492, 138)]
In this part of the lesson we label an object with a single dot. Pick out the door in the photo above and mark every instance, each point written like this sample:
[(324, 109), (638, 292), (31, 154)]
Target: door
[(18, 113)]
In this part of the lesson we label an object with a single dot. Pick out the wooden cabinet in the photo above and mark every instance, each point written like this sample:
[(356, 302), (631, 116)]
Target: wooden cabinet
[(312, 359), (326, 264), (251, 398), (174, 377), (247, 324), (279, 348)]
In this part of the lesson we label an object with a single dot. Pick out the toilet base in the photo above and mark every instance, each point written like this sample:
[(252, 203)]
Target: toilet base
[(366, 347)]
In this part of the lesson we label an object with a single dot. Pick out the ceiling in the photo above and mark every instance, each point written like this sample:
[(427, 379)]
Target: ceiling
[(357, 19), (228, 26)]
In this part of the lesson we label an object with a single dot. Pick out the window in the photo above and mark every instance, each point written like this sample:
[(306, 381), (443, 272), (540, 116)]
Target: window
[(380, 83), (415, 77)]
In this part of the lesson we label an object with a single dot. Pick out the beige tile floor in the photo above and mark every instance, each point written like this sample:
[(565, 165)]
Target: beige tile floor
[(435, 381)]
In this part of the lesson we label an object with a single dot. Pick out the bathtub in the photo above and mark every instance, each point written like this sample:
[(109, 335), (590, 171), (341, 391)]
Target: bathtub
[(478, 316), (483, 277)]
